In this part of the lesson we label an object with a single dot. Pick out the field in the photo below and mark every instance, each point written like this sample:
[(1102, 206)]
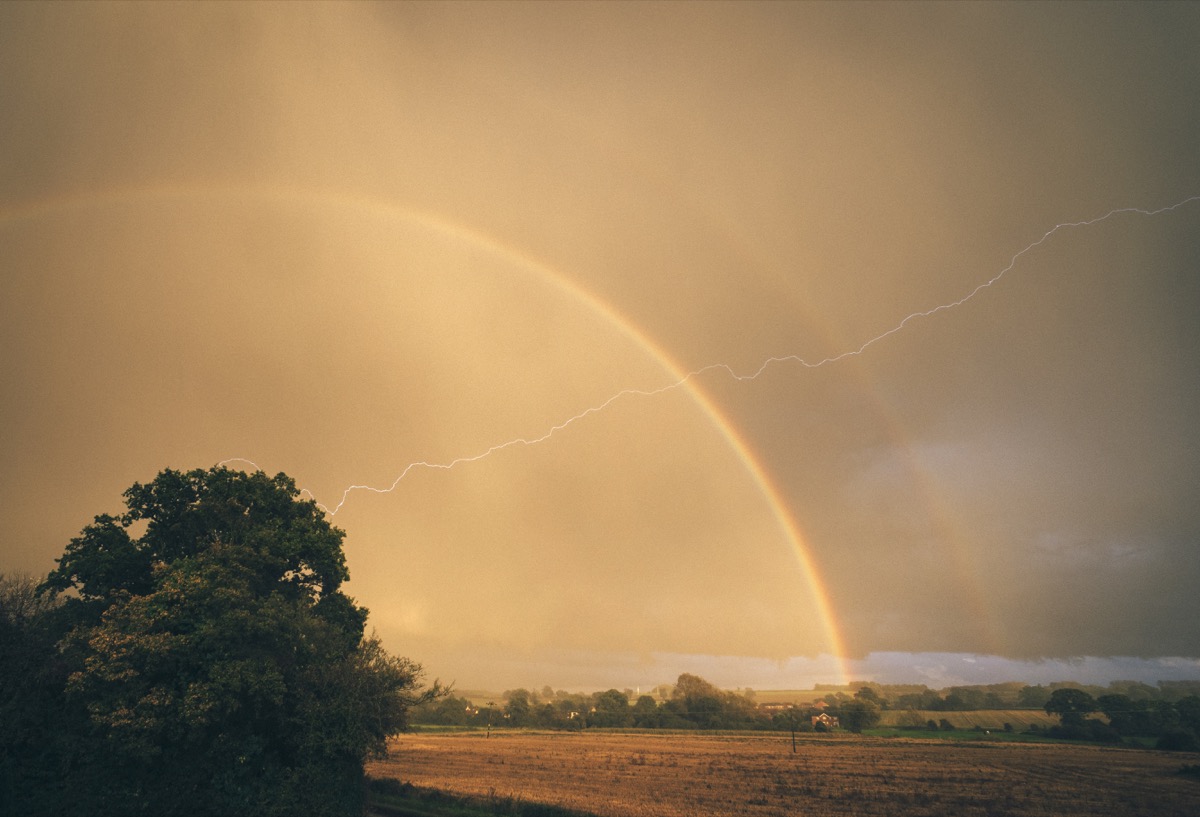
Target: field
[(799, 697), (1020, 719), (687, 774)]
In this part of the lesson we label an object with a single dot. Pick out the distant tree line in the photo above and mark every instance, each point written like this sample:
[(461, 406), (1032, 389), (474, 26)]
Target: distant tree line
[(1175, 724), (1010, 695), (691, 703), (1130, 709)]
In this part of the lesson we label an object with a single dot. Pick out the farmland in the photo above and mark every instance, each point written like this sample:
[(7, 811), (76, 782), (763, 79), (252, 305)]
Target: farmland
[(676, 774), (1020, 719)]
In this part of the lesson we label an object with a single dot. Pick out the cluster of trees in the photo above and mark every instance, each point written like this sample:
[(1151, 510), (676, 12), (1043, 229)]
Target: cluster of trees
[(196, 655), (692, 703), (1011, 695), (1175, 724), (956, 699)]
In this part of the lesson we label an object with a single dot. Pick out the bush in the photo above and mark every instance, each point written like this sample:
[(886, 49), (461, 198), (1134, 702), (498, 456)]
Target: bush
[(1178, 740), (1101, 732), (1073, 731)]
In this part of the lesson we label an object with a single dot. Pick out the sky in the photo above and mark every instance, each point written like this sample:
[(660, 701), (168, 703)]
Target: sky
[(780, 343)]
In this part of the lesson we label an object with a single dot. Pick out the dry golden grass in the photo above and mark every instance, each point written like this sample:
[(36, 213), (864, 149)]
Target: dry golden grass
[(683, 775)]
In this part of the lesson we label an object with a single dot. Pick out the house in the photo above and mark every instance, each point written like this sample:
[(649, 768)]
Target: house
[(826, 720)]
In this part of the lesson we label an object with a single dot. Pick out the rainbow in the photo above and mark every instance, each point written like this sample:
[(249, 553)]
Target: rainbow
[(750, 461)]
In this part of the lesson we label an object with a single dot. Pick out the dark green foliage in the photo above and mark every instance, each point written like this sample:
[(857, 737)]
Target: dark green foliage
[(698, 704), (1188, 710), (964, 699), (645, 713), (868, 694), (518, 707), (957, 699), (1130, 717), (694, 704), (858, 715), (212, 665), (1101, 732), (1070, 705), (32, 743), (447, 711), (926, 699), (611, 709), (290, 546), (793, 720), (1033, 697), (1178, 739), (1175, 690), (1174, 724)]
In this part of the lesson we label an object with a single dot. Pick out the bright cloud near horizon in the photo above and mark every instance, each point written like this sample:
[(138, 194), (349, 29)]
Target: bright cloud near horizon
[(337, 240)]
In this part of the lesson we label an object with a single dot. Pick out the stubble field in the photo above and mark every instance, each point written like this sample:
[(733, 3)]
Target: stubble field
[(684, 775)]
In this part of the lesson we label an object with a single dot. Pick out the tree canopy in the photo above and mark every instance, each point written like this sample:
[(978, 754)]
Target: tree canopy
[(859, 714), (1070, 705), (208, 661)]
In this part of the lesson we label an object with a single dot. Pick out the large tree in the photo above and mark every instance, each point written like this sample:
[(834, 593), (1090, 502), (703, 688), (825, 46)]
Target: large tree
[(611, 708), (1071, 705), (218, 665), (858, 714)]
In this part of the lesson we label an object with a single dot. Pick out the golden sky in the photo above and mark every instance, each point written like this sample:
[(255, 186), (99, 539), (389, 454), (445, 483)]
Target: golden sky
[(552, 246)]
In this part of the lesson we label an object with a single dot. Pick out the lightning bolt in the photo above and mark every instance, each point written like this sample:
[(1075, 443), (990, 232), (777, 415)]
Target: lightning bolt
[(729, 370)]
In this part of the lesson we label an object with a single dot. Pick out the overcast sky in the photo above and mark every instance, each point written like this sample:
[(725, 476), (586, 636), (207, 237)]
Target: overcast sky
[(337, 240)]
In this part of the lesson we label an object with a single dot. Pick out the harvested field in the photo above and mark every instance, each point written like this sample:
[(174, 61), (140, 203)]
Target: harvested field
[(682, 775)]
